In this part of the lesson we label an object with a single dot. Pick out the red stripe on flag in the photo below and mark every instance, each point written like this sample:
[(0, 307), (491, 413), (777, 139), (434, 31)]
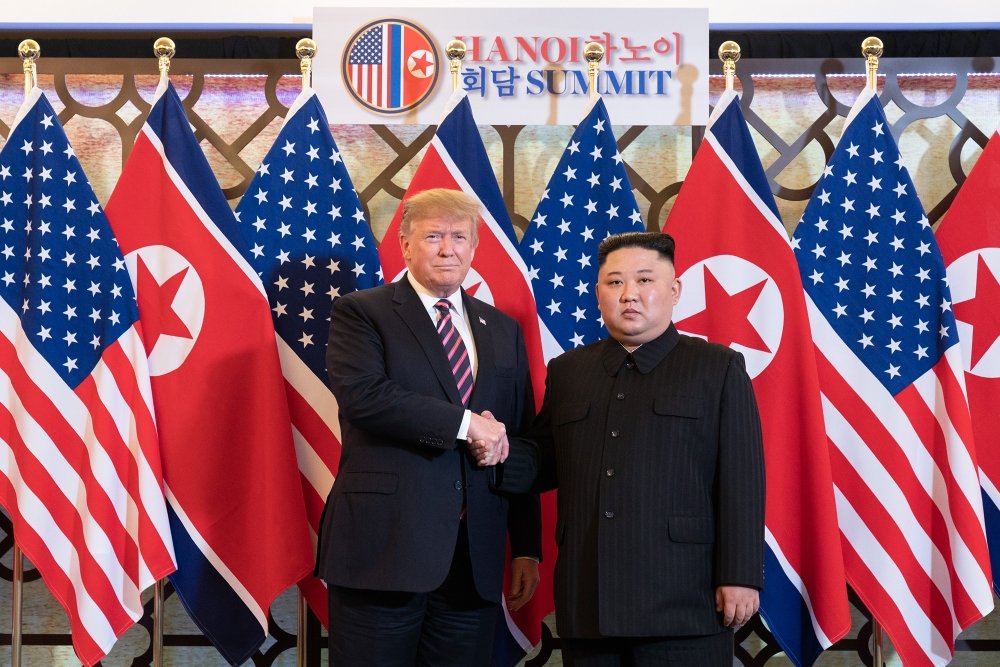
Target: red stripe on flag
[(65, 514), (37, 403), (59, 584), (967, 523), (869, 589), (881, 523), (154, 552), (107, 434), (885, 448)]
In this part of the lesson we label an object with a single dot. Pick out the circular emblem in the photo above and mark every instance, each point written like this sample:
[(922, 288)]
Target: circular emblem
[(390, 66), (731, 301), (172, 300), (974, 279)]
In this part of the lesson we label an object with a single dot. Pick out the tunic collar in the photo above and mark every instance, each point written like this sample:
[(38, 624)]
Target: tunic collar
[(646, 358)]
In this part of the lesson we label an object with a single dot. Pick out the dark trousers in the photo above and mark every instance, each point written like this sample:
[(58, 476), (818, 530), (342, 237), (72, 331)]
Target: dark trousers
[(449, 627), (708, 651)]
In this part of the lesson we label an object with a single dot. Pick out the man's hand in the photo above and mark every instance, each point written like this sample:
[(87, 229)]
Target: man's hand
[(488, 439), (524, 580), (737, 604)]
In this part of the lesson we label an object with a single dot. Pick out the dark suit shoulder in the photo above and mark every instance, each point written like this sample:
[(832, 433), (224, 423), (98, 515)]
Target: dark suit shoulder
[(578, 356), (370, 294), (699, 346)]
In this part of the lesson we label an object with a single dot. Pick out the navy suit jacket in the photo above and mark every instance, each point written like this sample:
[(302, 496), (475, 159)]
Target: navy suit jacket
[(391, 521)]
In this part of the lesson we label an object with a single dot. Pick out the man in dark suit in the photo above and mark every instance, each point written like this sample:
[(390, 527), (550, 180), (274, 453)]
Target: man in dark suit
[(412, 538), (654, 441)]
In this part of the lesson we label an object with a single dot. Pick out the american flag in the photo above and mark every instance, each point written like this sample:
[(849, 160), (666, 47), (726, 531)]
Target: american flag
[(365, 64), (310, 244), (742, 288), (904, 465), (79, 456), (588, 197), (969, 237), (234, 492)]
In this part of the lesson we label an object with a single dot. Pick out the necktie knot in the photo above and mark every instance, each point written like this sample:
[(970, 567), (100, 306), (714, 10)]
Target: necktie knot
[(443, 306)]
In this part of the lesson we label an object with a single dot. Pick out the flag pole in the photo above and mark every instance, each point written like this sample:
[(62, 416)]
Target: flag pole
[(593, 52), (871, 49), (302, 636), (306, 50), (29, 50), (729, 53), (455, 50), (163, 49)]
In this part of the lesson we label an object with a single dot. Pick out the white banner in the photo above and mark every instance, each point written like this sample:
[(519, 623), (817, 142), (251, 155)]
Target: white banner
[(523, 67)]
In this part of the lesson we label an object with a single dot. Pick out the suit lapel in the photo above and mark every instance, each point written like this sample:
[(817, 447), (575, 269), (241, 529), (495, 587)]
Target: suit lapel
[(411, 311), (483, 391)]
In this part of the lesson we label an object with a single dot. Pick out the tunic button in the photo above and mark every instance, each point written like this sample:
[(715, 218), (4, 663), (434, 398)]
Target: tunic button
[(609, 515), (610, 472), (458, 485), (614, 434), (620, 396)]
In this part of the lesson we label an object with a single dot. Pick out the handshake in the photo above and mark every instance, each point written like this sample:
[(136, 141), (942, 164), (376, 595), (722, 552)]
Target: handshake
[(487, 439)]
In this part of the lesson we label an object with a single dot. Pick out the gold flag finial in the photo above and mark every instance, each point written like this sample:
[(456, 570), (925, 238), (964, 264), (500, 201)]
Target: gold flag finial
[(164, 50), (306, 49), (729, 53), (29, 50), (871, 49), (455, 51), (593, 53)]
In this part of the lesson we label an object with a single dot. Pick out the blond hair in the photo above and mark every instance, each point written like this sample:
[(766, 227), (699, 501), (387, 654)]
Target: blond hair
[(441, 203)]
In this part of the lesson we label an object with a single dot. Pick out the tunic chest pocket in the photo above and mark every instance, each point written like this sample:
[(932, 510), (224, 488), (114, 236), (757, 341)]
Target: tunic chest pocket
[(688, 407), (567, 413)]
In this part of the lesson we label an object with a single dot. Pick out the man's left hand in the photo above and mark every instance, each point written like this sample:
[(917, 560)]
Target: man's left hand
[(737, 604)]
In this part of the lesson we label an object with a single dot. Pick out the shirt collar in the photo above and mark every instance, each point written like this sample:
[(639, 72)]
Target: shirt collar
[(429, 299), (646, 358)]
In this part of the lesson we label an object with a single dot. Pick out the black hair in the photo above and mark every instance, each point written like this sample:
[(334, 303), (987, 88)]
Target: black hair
[(658, 241)]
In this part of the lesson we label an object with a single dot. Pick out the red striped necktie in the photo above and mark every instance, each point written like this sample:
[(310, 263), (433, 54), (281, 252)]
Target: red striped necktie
[(458, 355)]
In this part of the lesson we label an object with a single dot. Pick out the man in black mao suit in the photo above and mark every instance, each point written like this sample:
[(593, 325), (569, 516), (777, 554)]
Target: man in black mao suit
[(654, 441), (412, 538)]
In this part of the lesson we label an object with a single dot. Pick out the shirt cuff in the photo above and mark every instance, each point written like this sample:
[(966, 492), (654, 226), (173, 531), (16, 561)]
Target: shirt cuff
[(463, 429)]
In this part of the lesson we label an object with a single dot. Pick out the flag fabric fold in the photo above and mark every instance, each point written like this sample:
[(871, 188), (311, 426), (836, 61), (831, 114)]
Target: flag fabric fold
[(456, 158), (310, 243), (587, 198), (80, 471), (234, 494), (898, 423), (741, 288), (969, 238)]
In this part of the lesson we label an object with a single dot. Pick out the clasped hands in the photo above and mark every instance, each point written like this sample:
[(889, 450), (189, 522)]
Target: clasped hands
[(487, 439)]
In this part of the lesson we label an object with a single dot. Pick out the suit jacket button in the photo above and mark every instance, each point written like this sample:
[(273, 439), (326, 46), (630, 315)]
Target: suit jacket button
[(458, 485), (614, 434), (610, 472), (609, 515)]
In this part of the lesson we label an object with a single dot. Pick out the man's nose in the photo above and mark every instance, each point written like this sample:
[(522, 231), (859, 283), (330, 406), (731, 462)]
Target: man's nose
[(628, 292)]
